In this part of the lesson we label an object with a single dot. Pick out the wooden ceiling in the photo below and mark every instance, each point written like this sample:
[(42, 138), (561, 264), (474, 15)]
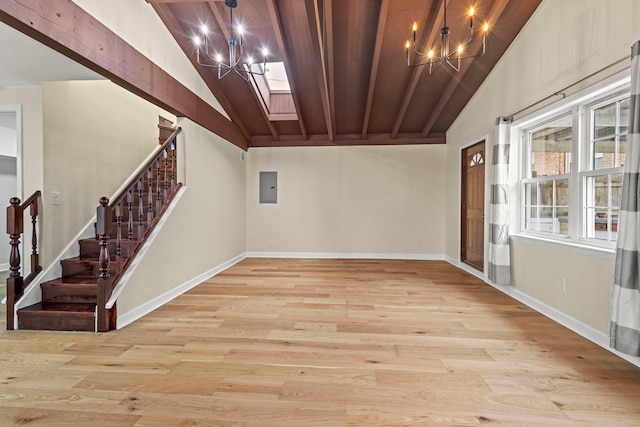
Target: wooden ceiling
[(346, 64)]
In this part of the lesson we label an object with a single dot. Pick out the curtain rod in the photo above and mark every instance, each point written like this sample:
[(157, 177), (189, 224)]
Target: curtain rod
[(561, 91)]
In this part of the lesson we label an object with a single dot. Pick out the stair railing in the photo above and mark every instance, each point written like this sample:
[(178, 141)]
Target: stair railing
[(16, 284), (137, 213)]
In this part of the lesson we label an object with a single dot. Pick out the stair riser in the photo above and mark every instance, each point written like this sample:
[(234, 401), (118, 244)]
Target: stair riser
[(84, 269), (68, 293), (91, 247), (56, 322)]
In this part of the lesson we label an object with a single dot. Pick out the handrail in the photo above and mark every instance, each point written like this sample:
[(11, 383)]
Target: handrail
[(137, 209), (15, 228)]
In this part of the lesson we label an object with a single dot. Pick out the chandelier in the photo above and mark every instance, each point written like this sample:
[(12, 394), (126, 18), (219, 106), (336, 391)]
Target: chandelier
[(447, 56), (236, 61)]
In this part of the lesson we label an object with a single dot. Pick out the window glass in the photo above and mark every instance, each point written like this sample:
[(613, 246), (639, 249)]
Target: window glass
[(610, 123), (550, 148)]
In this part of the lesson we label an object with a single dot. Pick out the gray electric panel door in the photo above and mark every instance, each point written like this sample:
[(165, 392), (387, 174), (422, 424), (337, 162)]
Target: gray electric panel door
[(268, 187)]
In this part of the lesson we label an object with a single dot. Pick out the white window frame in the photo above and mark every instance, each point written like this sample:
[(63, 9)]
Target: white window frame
[(579, 105)]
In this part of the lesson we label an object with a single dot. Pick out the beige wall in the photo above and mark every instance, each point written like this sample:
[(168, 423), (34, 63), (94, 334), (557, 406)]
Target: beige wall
[(96, 135), (207, 226), (564, 41), (371, 200)]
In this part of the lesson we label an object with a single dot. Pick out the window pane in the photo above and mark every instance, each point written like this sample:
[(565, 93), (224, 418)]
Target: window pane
[(603, 153), (551, 148), (531, 219), (562, 192), (531, 194), (562, 220), (624, 116), (605, 121), (602, 206), (546, 193), (616, 189), (622, 150)]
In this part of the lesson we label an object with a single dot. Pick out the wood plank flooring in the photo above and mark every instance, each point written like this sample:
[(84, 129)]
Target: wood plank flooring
[(322, 343)]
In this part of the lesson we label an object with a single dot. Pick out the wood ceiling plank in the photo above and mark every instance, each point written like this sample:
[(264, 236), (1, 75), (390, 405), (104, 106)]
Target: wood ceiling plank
[(375, 63), (282, 47), (348, 140), (65, 27), (430, 36), (452, 86), (318, 54)]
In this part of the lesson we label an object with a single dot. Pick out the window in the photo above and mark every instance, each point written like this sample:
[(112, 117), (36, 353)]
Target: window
[(602, 182), (572, 156)]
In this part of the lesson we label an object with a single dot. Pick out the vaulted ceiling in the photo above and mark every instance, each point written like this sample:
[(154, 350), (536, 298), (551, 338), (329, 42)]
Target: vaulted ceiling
[(347, 65)]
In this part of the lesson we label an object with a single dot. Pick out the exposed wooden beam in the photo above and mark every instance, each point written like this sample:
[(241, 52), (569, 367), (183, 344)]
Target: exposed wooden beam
[(318, 53), (274, 15), (430, 36), (328, 44), (496, 11), (220, 20), (375, 63), (65, 27), (347, 140), (176, 27)]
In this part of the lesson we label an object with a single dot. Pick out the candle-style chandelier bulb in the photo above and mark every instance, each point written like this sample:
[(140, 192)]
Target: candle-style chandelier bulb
[(237, 61), (452, 58)]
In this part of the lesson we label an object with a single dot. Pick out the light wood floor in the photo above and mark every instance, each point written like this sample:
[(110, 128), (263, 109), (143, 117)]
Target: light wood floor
[(322, 343)]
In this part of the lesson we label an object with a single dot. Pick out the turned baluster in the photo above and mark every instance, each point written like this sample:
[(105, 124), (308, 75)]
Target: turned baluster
[(15, 282), (35, 259), (158, 188), (165, 154), (174, 166), (130, 221), (103, 227), (140, 210), (150, 196), (118, 237)]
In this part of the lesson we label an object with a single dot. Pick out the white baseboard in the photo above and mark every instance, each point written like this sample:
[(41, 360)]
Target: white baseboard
[(4, 267), (348, 255), (565, 320), (137, 313)]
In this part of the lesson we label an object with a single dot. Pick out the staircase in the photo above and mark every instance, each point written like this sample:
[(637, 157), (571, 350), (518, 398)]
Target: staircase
[(76, 300)]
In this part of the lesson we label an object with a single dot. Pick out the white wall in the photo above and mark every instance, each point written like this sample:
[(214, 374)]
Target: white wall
[(96, 135), (564, 41), (349, 200), (207, 226)]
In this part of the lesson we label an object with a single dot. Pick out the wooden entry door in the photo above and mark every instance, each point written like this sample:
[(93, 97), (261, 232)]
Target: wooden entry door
[(472, 226)]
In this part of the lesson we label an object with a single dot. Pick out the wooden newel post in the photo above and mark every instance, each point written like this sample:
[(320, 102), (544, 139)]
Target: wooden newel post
[(15, 227), (103, 229)]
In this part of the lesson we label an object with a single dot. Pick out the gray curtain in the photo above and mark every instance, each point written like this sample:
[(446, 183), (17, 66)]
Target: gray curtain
[(499, 271), (625, 294)]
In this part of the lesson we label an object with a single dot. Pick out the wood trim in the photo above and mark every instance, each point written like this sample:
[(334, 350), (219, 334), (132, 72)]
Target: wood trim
[(375, 63), (348, 139), (65, 27)]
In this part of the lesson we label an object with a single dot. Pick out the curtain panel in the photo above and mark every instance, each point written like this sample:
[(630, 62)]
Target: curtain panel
[(499, 262), (625, 294)]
